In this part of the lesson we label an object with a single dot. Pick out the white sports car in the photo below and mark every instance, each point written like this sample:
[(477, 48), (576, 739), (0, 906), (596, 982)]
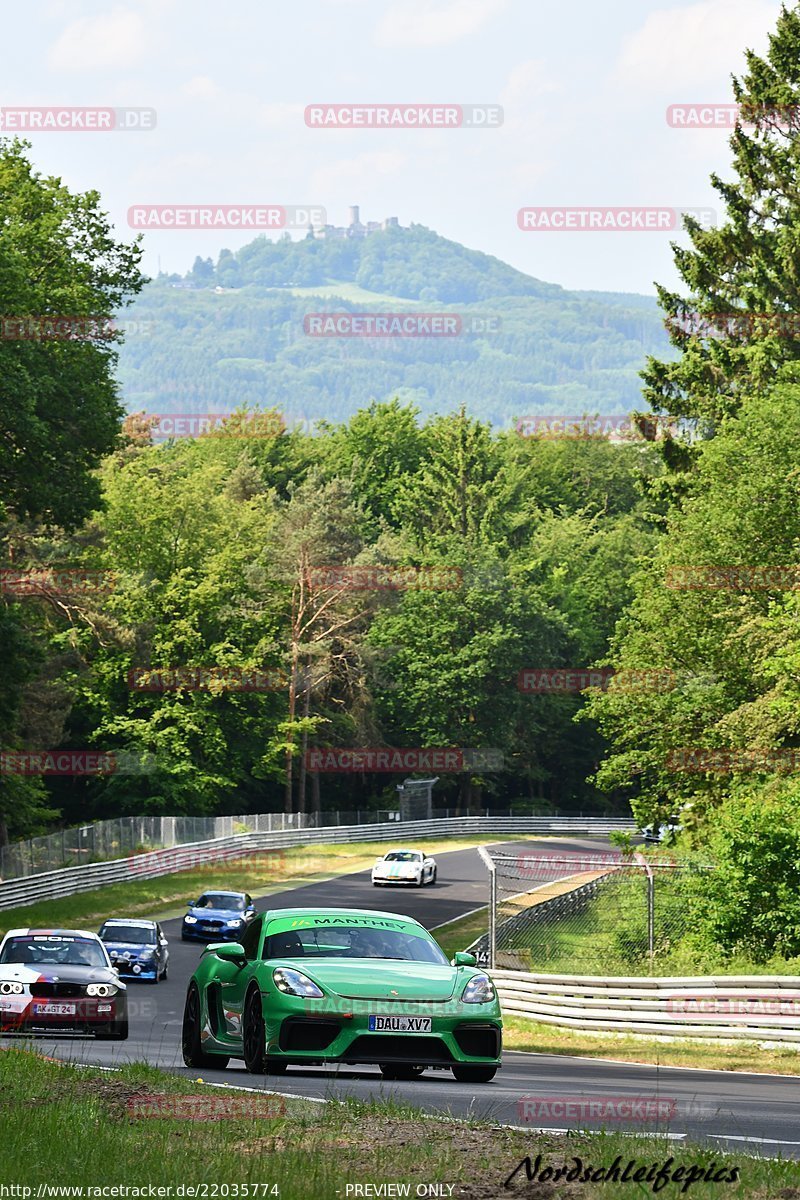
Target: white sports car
[(404, 866), (57, 981)]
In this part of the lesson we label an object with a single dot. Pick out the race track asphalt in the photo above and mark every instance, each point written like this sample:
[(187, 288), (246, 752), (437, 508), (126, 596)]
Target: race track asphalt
[(733, 1111)]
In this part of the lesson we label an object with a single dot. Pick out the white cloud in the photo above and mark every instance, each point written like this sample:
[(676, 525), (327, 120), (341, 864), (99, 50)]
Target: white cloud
[(417, 23), (356, 176), (698, 45), (110, 41), (201, 87)]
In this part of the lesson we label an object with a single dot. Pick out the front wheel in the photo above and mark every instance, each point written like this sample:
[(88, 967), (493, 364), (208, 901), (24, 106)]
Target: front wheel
[(254, 1035), (193, 1054), (474, 1074), (400, 1071), (433, 877)]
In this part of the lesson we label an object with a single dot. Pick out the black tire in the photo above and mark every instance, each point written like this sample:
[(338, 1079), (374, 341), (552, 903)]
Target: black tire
[(400, 1071), (276, 1066), (165, 971), (433, 877), (156, 978), (184, 938), (193, 1054), (254, 1044), (467, 1073), (117, 1032), (421, 879)]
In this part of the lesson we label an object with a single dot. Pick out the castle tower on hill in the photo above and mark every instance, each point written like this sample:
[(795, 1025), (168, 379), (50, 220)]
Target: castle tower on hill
[(355, 228)]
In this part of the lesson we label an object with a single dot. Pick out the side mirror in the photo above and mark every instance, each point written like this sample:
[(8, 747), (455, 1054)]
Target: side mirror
[(464, 959), (229, 951)]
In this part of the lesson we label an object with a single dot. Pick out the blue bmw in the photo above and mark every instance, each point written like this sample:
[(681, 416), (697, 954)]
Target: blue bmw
[(136, 947), (218, 916)]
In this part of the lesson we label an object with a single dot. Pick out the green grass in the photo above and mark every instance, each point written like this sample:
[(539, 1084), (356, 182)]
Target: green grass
[(458, 934), (355, 294), (76, 1127)]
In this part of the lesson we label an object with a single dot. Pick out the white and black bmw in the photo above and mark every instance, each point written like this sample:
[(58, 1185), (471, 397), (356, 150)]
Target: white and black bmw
[(404, 866), (60, 981)]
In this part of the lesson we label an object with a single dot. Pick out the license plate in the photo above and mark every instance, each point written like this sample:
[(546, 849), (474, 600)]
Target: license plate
[(379, 1024), (56, 1010)]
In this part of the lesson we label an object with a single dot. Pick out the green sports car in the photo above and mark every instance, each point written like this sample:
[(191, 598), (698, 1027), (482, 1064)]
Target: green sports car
[(336, 985)]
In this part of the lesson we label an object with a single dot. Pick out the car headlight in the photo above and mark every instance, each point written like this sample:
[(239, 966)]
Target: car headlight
[(479, 990), (190, 920), (11, 989), (146, 954), (295, 983), (101, 989)]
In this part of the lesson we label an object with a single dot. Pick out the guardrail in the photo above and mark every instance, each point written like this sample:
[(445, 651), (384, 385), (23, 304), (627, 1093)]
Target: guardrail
[(752, 1007), (70, 880)]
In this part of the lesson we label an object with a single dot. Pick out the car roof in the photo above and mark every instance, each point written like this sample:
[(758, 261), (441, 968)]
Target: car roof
[(219, 892), (402, 850), (84, 933), (130, 921), (275, 913)]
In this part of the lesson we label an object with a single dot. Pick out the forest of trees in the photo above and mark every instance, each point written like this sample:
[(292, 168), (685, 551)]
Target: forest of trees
[(674, 558), (550, 351)]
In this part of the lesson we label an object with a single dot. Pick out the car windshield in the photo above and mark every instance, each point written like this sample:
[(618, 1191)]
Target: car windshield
[(221, 901), (46, 948), (402, 856), (352, 942), (141, 935)]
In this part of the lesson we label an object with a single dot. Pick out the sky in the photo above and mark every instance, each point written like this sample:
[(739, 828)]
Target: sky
[(584, 90)]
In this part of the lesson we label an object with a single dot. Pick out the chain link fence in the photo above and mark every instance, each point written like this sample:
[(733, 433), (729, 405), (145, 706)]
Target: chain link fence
[(123, 836), (601, 914)]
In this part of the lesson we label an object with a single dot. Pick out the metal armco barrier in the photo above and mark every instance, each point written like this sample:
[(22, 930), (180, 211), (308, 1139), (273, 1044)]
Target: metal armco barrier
[(70, 880), (752, 1007)]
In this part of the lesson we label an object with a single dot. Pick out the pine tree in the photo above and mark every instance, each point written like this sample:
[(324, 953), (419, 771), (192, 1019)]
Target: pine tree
[(748, 265)]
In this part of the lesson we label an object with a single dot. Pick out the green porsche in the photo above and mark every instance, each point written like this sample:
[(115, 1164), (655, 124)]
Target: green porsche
[(335, 985)]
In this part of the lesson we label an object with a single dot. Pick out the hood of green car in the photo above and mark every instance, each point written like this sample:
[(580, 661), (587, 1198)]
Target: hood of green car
[(377, 979)]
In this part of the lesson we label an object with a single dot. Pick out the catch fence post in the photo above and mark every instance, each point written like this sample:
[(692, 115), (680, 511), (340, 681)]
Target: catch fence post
[(490, 864)]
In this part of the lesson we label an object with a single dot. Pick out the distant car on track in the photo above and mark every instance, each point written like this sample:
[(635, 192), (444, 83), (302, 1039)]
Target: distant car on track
[(333, 985), (404, 866), (60, 981), (215, 916), (137, 948), (663, 832)]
